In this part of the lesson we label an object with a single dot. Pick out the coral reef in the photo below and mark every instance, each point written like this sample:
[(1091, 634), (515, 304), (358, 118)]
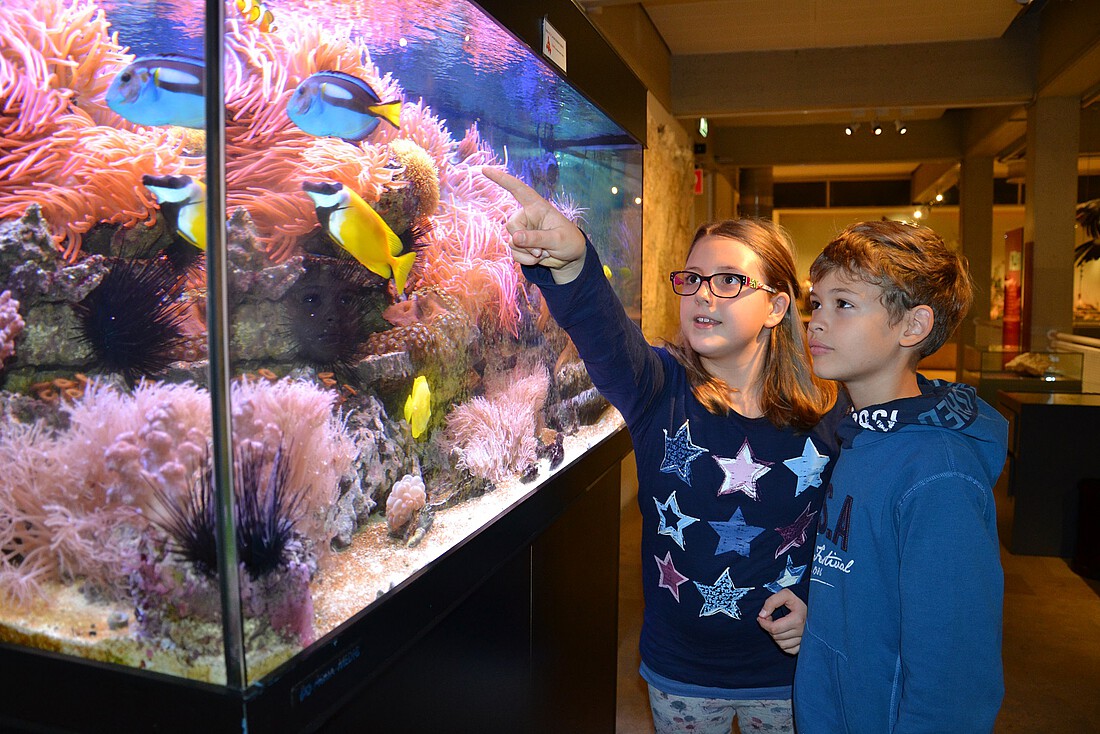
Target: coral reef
[(170, 587), (429, 322), (11, 325), (79, 498), (60, 146), (407, 497)]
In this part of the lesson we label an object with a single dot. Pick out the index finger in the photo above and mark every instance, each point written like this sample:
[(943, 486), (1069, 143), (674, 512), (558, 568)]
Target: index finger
[(524, 194)]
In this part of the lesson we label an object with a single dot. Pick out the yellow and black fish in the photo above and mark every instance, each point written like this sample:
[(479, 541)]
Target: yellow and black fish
[(183, 200), (357, 228)]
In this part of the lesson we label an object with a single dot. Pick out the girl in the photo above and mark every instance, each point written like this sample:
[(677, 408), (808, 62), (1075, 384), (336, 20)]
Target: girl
[(731, 468)]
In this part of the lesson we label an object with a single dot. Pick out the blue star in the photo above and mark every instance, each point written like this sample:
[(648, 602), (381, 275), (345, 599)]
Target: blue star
[(807, 467), (790, 576), (735, 535), (680, 452), (682, 520), (721, 597)]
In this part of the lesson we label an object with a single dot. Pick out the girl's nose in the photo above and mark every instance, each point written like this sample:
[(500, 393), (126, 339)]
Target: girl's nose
[(704, 287)]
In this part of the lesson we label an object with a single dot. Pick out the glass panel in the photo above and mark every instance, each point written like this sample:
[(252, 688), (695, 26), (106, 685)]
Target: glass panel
[(105, 421), (389, 351), (396, 384)]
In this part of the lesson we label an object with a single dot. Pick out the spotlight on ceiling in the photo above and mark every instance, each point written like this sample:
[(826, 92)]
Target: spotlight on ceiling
[(851, 129), (876, 129), (900, 127)]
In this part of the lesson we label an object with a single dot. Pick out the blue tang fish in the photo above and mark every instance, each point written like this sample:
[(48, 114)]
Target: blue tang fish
[(332, 103), (161, 90)]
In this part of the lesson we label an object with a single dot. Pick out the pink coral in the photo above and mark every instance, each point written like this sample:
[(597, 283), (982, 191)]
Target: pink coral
[(11, 325), (494, 436), (406, 499), (72, 503)]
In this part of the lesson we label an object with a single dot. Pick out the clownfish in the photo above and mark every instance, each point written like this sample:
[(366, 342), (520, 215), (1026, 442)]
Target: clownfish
[(418, 406), (161, 90), (357, 228), (257, 12), (334, 104), (183, 201)]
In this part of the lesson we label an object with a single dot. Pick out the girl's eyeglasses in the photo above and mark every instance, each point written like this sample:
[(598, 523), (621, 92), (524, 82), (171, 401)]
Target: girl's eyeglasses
[(722, 285)]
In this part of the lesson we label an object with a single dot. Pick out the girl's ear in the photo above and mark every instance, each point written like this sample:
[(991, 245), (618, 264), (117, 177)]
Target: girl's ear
[(780, 303), (918, 325)]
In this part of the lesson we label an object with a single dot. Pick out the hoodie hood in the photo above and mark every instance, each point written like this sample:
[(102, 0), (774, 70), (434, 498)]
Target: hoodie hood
[(941, 405)]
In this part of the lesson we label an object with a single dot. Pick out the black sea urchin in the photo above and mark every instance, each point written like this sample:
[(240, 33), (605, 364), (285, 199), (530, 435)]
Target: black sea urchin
[(132, 320), (266, 511)]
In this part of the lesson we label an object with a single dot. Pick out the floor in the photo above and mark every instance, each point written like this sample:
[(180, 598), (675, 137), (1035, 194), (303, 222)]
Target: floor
[(1051, 639)]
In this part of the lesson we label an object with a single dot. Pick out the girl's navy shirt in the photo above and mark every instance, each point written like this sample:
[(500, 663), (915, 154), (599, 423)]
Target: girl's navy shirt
[(729, 504)]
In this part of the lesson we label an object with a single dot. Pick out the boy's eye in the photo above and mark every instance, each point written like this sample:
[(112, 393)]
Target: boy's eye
[(841, 303), (814, 304)]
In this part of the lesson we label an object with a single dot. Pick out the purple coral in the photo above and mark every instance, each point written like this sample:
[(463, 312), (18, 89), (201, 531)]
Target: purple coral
[(11, 325), (406, 499), (494, 436)]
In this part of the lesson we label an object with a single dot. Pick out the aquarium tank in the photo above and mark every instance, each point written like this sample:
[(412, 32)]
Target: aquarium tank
[(395, 384)]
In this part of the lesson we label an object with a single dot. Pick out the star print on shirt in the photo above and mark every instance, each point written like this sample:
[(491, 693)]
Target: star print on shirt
[(794, 535), (680, 452), (722, 597), (682, 521), (735, 535), (742, 471), (670, 577), (790, 576), (807, 467)]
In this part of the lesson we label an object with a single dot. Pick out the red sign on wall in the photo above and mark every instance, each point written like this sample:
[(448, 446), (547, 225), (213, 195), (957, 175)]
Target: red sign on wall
[(698, 188)]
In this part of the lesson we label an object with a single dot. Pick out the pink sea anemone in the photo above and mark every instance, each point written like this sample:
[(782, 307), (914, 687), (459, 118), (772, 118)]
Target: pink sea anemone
[(60, 146), (11, 325), (73, 503), (494, 436)]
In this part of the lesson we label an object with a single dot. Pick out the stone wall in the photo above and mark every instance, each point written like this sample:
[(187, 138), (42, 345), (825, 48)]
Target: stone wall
[(667, 218)]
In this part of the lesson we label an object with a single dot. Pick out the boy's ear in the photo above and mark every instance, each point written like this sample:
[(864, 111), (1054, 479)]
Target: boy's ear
[(780, 303), (918, 325)]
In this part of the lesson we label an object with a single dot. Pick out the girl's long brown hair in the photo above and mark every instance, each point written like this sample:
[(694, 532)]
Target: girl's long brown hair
[(790, 394)]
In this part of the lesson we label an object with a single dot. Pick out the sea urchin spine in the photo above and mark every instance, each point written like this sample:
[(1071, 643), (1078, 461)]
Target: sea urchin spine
[(132, 320), (266, 512)]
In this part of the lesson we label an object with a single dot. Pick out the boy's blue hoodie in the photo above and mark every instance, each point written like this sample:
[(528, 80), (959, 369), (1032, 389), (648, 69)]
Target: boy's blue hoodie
[(904, 625)]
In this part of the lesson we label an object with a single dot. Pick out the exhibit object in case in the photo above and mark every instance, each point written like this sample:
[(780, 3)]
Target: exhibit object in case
[(998, 368), (288, 470)]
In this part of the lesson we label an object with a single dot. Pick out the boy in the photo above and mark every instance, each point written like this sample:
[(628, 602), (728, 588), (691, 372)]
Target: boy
[(904, 625)]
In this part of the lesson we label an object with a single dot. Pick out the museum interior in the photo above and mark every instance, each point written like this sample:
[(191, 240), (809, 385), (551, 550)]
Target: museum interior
[(811, 113), (289, 444)]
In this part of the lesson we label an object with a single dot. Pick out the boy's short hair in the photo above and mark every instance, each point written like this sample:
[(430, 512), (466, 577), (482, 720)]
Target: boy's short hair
[(912, 266)]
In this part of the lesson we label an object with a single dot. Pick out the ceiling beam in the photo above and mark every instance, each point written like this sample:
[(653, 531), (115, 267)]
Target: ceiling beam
[(927, 140), (955, 74)]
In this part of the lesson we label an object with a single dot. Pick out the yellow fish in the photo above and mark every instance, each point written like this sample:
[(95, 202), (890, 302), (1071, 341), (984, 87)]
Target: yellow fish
[(418, 406), (607, 273), (353, 225), (183, 201)]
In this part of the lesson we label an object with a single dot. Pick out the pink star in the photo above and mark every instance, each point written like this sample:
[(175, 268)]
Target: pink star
[(670, 577), (742, 472), (794, 535)]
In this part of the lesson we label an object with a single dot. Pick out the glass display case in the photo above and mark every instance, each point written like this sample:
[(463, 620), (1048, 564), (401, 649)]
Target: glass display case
[(992, 369), (230, 452)]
